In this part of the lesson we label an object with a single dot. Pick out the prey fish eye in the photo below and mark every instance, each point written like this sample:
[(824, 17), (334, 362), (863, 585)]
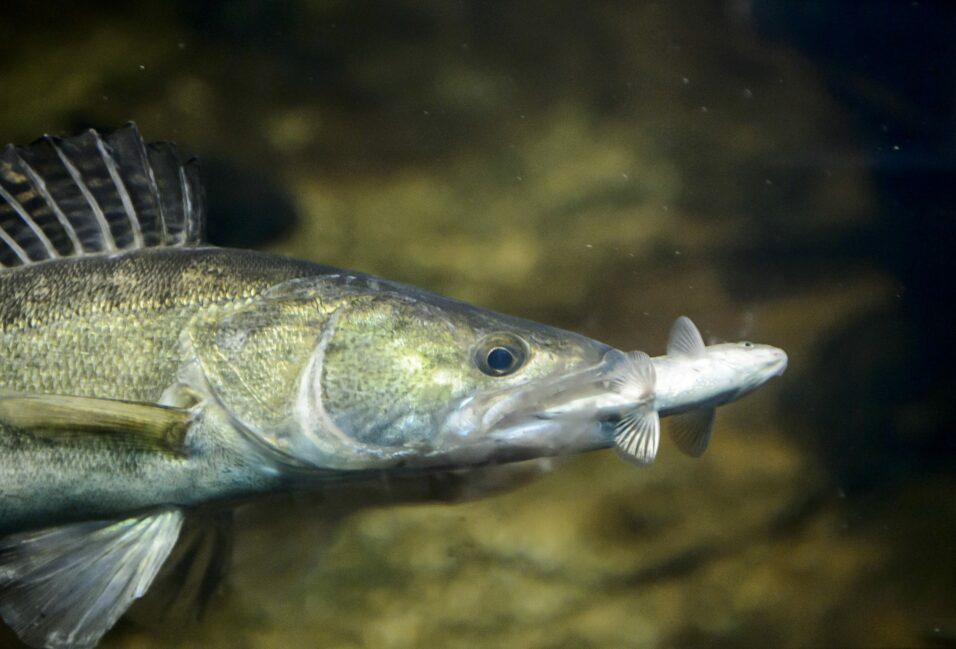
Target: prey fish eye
[(501, 354)]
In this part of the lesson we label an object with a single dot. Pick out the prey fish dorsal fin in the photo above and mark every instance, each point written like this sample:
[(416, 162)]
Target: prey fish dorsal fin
[(684, 339), (64, 587), (95, 194), (143, 424), (691, 431)]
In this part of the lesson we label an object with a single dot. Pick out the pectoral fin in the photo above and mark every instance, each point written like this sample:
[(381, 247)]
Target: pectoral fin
[(64, 587), (691, 430), (145, 424), (638, 435)]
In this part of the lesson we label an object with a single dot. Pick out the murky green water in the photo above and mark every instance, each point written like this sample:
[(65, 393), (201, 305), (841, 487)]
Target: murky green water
[(761, 167)]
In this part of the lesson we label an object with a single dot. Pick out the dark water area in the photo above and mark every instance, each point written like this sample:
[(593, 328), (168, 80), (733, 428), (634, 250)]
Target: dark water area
[(778, 171)]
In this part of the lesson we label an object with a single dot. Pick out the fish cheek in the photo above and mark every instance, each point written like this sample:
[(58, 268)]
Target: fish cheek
[(389, 372)]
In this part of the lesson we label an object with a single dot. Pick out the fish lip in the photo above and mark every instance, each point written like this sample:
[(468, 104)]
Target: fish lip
[(782, 362)]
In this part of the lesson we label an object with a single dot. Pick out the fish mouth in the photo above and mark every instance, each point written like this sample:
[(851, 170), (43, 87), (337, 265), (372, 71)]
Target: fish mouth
[(781, 361), (568, 413)]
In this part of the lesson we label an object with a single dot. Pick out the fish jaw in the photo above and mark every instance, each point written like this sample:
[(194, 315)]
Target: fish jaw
[(567, 414)]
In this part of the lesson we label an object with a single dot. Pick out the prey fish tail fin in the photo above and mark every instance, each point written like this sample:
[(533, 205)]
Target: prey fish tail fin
[(95, 194), (64, 587)]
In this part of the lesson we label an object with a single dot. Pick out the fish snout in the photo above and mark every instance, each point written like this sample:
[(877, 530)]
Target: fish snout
[(779, 362)]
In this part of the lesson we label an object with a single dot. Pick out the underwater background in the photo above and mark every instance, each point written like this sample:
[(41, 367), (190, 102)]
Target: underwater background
[(778, 171)]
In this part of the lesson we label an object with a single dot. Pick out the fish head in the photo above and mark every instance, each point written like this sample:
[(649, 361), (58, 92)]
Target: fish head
[(356, 373), (744, 366), (419, 380)]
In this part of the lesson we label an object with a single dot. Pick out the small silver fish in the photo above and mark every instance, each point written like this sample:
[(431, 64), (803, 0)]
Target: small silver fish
[(147, 377)]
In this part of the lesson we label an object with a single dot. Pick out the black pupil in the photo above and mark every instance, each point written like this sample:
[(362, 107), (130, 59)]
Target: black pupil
[(500, 359)]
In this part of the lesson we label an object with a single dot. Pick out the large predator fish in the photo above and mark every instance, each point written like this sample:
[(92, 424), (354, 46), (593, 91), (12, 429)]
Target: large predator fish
[(145, 374)]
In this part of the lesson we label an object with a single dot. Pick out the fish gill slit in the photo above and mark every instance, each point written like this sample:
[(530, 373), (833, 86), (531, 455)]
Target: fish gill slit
[(311, 395)]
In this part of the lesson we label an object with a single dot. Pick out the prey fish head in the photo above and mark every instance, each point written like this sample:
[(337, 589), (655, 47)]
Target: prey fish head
[(736, 369), (350, 372)]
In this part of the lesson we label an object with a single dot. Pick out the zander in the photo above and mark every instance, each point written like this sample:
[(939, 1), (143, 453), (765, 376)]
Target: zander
[(145, 374)]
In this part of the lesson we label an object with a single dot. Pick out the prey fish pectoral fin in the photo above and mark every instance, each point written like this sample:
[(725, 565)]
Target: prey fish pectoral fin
[(638, 436), (64, 587), (638, 433), (57, 416)]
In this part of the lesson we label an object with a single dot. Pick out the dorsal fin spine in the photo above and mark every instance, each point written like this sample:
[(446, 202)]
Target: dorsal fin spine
[(30, 223), (39, 185), (187, 205), (7, 239), (153, 185), (120, 189), (85, 191)]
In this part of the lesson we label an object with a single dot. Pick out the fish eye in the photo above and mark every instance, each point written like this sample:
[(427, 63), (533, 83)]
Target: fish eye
[(747, 344), (501, 354)]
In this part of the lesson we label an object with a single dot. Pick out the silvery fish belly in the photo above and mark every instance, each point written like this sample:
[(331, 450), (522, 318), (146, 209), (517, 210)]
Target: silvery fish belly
[(145, 374)]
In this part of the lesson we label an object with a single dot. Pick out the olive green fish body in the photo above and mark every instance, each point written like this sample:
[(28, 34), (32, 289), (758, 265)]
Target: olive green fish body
[(110, 327), (113, 328)]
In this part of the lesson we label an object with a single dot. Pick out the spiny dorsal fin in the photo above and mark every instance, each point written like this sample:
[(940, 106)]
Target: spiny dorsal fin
[(684, 339), (93, 194)]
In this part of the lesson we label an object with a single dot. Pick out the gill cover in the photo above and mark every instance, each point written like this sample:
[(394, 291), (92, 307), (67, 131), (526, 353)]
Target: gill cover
[(334, 372), (252, 358)]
